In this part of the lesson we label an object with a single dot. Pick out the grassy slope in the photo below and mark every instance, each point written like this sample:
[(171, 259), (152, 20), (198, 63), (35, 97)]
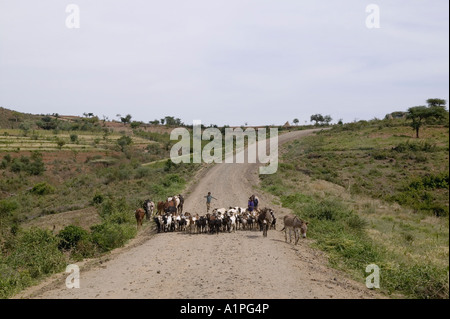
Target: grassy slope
[(351, 201), (90, 184)]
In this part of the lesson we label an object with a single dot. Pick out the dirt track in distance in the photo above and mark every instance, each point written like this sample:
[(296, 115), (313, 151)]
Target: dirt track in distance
[(228, 265)]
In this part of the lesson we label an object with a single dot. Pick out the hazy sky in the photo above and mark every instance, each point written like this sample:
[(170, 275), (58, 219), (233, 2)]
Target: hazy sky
[(223, 61)]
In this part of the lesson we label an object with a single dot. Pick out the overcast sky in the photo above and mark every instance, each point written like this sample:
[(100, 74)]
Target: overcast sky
[(223, 61)]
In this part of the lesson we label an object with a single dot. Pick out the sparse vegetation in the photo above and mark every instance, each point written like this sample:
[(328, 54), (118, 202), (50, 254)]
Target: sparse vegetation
[(91, 169), (373, 194)]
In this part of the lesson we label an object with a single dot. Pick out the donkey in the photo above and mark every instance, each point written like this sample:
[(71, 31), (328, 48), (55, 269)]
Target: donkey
[(265, 220), (293, 223)]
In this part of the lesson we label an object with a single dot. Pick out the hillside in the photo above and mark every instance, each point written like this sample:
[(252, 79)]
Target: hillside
[(10, 119), (77, 176), (373, 193)]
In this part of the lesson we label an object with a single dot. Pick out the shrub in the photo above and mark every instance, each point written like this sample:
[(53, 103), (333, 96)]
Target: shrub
[(70, 236), (7, 206), (98, 198), (32, 166), (415, 147), (124, 141), (36, 252), (440, 181), (109, 236), (172, 179), (326, 210), (42, 189)]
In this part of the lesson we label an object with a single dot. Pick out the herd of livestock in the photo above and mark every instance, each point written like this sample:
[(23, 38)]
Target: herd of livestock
[(169, 217)]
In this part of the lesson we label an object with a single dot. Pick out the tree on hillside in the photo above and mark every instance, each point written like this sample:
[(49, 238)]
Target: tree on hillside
[(420, 114), (436, 103), (318, 118), (327, 119), (124, 141), (126, 119), (47, 123), (172, 121), (296, 121)]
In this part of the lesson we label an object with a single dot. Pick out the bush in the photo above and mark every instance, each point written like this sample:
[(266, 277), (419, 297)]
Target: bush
[(42, 189), (70, 236), (124, 141), (109, 236), (415, 147), (172, 179), (37, 253), (32, 166), (98, 198), (440, 181), (327, 210), (7, 206)]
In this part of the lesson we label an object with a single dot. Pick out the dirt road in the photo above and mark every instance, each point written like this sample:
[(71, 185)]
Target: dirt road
[(228, 265)]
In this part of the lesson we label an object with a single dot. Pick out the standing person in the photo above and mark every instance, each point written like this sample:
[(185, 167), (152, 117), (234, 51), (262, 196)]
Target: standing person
[(209, 197), (255, 201), (251, 205)]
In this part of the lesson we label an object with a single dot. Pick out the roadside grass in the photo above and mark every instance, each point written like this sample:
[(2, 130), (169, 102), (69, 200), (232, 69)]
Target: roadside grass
[(358, 228)]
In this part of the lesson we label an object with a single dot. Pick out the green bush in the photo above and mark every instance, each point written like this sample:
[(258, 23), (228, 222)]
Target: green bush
[(32, 165), (439, 181), (7, 206), (70, 236), (37, 253), (98, 198), (172, 179), (109, 236), (326, 210), (42, 189), (415, 147)]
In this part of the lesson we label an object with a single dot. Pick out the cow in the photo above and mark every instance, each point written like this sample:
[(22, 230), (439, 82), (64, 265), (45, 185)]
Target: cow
[(160, 208), (149, 208), (295, 224), (139, 214), (180, 206)]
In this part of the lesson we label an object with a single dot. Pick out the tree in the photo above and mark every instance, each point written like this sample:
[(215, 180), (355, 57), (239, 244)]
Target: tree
[(126, 119), (436, 103), (327, 119), (124, 141), (135, 124), (419, 114), (296, 121), (318, 118), (47, 123), (60, 143)]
